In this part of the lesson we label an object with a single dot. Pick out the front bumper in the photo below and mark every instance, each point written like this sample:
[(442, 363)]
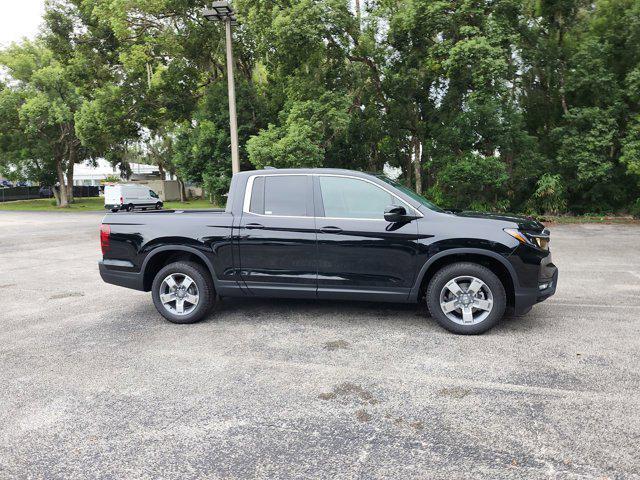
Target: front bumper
[(525, 298)]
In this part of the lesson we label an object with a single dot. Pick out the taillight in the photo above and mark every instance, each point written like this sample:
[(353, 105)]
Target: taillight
[(121, 200), (105, 233)]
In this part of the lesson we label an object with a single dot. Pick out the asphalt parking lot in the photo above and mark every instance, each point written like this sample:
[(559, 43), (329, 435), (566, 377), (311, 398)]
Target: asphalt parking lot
[(95, 384)]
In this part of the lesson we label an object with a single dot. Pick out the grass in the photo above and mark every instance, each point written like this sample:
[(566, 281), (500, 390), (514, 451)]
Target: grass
[(591, 218), (89, 204)]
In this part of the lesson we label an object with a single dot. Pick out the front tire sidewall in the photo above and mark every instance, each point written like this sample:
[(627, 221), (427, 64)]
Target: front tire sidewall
[(443, 276), (203, 281)]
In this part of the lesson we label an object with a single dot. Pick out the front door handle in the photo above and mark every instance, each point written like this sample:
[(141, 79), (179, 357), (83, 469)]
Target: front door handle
[(331, 230), (253, 226)]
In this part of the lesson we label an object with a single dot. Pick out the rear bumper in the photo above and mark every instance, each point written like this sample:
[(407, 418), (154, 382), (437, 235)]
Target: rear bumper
[(112, 206), (525, 298), (109, 274)]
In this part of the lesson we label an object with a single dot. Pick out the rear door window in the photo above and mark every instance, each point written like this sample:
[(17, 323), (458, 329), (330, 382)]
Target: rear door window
[(280, 195)]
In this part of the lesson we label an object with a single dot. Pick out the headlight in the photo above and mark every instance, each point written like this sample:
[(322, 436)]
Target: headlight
[(517, 234), (541, 241)]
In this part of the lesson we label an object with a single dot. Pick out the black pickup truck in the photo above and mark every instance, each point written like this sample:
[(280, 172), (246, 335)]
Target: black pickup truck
[(331, 234)]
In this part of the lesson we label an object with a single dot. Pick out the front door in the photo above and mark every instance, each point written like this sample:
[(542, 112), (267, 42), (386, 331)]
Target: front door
[(277, 236), (360, 255)]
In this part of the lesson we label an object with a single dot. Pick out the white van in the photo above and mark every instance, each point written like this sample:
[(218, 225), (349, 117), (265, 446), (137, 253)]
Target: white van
[(125, 196)]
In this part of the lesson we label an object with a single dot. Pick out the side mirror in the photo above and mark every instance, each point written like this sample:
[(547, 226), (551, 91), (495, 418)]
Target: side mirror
[(396, 214)]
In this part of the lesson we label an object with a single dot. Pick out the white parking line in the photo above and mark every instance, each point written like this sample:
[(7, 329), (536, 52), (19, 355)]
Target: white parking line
[(590, 305), (635, 274)]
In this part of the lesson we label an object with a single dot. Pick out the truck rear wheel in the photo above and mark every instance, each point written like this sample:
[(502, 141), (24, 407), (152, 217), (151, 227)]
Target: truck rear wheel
[(183, 292), (466, 298)]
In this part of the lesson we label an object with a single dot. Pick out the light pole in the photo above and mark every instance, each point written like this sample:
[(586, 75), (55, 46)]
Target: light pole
[(222, 11)]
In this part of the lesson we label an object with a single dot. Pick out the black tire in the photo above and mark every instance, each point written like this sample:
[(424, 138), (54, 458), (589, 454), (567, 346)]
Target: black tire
[(158, 205), (450, 272), (114, 210), (130, 207), (204, 284)]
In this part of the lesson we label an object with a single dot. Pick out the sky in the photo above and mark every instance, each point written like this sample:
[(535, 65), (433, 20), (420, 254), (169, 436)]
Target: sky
[(19, 18)]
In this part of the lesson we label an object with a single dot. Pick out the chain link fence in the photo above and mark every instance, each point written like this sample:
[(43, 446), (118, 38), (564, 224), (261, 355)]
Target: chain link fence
[(30, 193)]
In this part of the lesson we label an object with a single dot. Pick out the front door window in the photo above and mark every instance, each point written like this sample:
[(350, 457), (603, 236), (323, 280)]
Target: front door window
[(344, 197)]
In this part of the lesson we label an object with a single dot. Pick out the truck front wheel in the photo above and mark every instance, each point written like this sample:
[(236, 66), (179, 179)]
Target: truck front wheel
[(466, 298), (183, 292)]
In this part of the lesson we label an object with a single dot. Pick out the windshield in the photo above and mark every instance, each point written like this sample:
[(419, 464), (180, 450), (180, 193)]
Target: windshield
[(411, 193)]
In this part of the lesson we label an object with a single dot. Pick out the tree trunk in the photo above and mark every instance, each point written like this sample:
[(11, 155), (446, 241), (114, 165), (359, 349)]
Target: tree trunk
[(417, 163), (70, 183), (408, 167), (61, 198), (563, 98), (73, 158), (56, 194), (183, 195)]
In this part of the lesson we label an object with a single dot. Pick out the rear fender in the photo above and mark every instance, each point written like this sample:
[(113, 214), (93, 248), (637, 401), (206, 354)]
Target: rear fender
[(181, 248)]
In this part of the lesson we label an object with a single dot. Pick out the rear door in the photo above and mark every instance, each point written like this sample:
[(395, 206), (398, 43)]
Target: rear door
[(277, 236), (360, 254), (111, 195)]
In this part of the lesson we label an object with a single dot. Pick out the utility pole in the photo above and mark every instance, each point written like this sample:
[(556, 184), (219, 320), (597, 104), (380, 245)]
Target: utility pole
[(233, 119), (223, 11)]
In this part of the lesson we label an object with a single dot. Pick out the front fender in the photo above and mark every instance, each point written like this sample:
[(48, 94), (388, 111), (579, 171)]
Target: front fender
[(415, 291)]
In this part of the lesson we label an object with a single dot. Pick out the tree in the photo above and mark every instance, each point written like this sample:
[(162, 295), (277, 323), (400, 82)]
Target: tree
[(43, 101), (508, 104)]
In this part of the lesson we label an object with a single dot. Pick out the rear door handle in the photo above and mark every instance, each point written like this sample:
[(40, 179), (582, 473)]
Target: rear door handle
[(253, 226), (331, 230)]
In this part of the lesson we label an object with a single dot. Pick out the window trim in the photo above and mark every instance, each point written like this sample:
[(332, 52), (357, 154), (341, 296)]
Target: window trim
[(249, 190)]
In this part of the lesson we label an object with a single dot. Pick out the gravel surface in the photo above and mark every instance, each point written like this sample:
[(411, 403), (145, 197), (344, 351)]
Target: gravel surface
[(95, 384)]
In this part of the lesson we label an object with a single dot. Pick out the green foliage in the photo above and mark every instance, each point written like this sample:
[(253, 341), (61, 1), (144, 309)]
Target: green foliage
[(549, 196), (294, 146), (112, 179), (635, 208), (631, 148), (490, 105), (476, 177), (586, 157)]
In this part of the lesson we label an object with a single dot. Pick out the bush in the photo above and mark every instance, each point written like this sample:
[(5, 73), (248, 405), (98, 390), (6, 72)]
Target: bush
[(635, 208), (472, 182), (550, 195), (215, 186)]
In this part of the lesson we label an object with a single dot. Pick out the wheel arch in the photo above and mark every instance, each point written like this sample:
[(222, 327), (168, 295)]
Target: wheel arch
[(161, 256), (494, 261)]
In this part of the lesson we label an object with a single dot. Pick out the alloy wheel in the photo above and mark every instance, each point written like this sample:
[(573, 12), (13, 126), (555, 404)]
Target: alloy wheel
[(466, 300), (179, 294)]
